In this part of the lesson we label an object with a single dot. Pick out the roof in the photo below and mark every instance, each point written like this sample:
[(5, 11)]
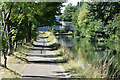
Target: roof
[(66, 23)]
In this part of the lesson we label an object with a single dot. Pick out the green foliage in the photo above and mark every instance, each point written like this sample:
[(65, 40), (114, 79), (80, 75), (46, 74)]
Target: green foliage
[(104, 11), (23, 15), (49, 10), (21, 20), (69, 10), (62, 30), (117, 29), (97, 20), (80, 26), (34, 31), (55, 46), (4, 45)]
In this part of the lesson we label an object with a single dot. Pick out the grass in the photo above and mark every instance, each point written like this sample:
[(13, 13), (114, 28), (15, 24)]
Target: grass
[(27, 46), (51, 38), (71, 66), (74, 68), (65, 58), (70, 32), (55, 46), (15, 63)]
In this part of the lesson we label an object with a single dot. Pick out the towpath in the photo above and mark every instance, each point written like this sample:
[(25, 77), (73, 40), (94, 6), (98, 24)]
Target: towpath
[(42, 62)]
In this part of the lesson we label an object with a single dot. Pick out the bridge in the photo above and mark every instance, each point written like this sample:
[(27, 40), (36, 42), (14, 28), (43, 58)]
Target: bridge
[(67, 26), (56, 28)]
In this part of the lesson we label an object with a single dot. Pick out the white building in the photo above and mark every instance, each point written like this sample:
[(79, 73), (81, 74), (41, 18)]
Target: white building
[(67, 25)]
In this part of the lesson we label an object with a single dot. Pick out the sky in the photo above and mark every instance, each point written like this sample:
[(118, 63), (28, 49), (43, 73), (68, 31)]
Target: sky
[(74, 2)]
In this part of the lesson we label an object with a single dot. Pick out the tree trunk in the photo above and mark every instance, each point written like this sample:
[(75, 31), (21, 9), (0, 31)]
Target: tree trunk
[(29, 32), (8, 30), (26, 39), (11, 46), (9, 39), (5, 60), (15, 43)]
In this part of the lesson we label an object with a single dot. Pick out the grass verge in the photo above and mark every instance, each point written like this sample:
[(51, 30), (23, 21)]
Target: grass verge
[(78, 68), (15, 62), (65, 58)]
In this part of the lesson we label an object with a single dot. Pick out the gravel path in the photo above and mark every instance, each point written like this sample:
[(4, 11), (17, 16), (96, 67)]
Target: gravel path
[(42, 62)]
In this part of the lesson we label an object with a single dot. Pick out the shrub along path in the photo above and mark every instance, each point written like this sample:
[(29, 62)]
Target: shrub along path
[(42, 62)]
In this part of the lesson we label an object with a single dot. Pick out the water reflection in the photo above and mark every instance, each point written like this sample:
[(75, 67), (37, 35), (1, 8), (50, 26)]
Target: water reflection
[(65, 40), (103, 57)]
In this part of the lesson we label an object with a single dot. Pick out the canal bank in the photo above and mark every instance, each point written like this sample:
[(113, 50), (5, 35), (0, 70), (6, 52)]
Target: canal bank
[(76, 68), (84, 59)]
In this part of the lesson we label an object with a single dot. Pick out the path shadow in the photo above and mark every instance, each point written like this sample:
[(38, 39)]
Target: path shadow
[(22, 59), (43, 49), (41, 46), (42, 42), (46, 62), (62, 75), (47, 56), (54, 46), (62, 34), (45, 78), (42, 37), (61, 71)]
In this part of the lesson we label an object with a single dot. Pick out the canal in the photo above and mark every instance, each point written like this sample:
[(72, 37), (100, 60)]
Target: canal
[(93, 56)]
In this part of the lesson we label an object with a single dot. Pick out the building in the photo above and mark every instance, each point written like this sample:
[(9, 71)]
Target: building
[(67, 25)]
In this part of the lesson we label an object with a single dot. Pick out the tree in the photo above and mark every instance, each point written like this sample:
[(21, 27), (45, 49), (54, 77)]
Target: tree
[(104, 11), (4, 47), (80, 20), (67, 14), (48, 16), (20, 20)]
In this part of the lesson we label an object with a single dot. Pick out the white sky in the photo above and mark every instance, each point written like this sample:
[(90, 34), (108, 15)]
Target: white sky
[(74, 2)]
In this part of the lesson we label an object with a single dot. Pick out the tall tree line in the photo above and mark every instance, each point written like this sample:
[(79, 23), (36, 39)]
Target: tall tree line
[(97, 20), (21, 20)]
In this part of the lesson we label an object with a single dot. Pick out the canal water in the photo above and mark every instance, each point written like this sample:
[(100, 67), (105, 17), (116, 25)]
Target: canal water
[(103, 57)]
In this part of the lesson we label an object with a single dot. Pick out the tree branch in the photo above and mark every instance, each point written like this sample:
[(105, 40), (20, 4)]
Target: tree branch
[(9, 12)]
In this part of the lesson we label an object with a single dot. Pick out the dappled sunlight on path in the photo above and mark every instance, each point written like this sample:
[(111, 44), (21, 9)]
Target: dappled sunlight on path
[(42, 62)]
